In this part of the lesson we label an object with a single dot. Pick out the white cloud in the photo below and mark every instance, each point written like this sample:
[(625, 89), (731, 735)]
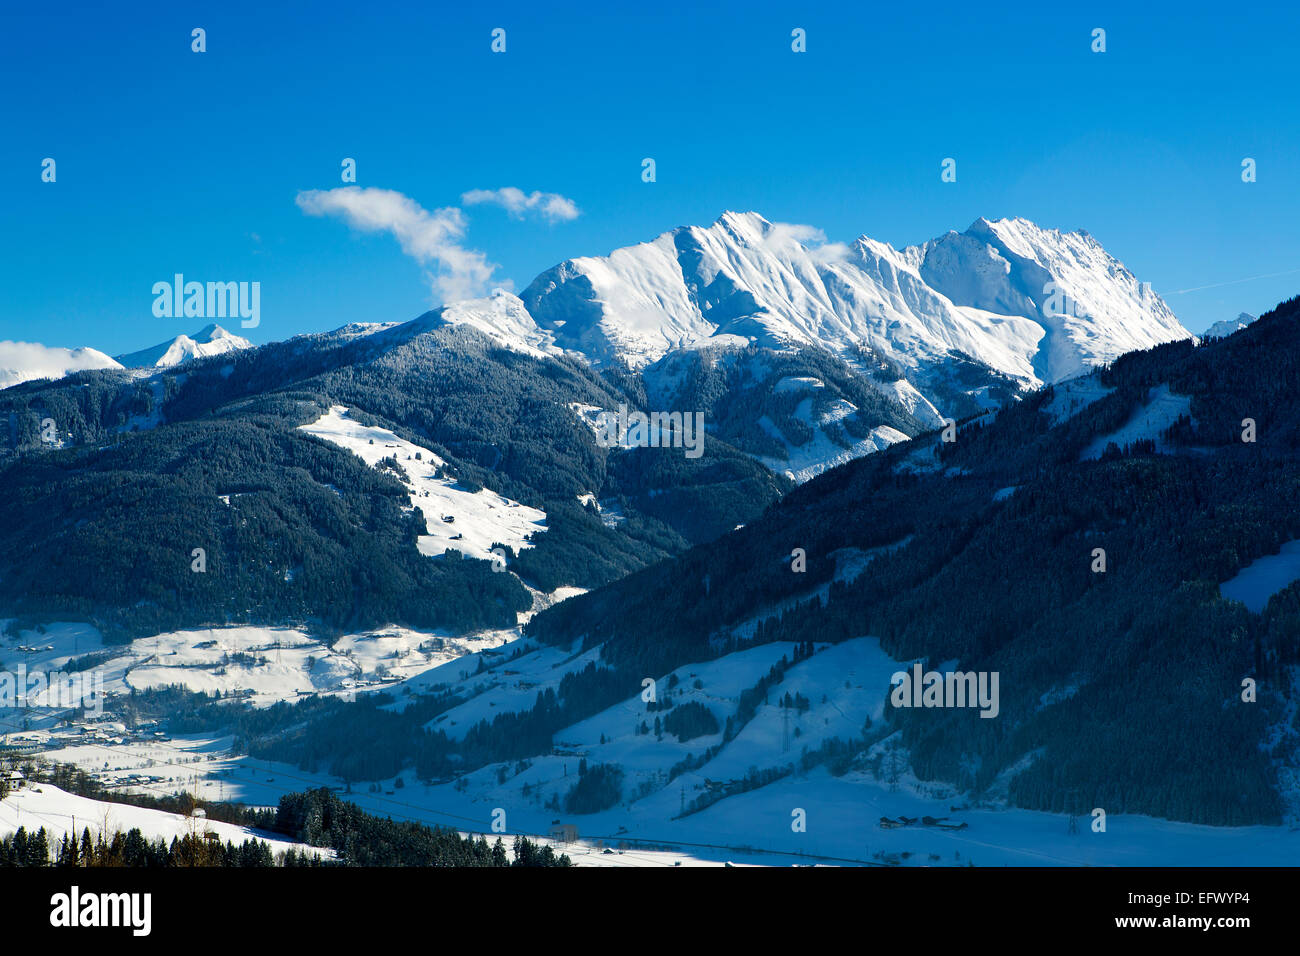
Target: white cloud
[(22, 361), (428, 237), (551, 206), (784, 236)]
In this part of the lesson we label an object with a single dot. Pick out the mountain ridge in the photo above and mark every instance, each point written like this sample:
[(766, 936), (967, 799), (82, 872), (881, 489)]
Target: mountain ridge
[(211, 340)]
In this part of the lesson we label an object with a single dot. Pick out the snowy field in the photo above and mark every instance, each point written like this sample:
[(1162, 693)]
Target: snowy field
[(706, 812), (263, 665)]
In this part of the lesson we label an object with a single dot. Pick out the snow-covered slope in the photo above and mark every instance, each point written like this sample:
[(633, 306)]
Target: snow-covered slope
[(45, 805), (821, 451), (211, 340), (1032, 303), (470, 522), (24, 361), (502, 317)]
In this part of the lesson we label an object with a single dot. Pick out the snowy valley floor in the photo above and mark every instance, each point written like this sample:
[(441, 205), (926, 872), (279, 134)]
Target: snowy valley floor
[(845, 687)]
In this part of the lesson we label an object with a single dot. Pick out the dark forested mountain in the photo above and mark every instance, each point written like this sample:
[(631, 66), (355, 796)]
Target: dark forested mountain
[(110, 482), (1075, 543)]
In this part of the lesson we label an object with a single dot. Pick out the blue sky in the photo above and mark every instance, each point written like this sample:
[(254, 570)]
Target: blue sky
[(173, 161)]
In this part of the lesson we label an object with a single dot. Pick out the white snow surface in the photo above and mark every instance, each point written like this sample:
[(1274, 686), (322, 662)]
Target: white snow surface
[(480, 518), (500, 316), (1254, 584), (260, 665), (1154, 416), (845, 686), (59, 812), (983, 292)]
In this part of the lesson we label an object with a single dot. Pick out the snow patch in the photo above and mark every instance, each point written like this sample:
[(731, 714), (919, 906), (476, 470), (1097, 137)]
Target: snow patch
[(470, 522)]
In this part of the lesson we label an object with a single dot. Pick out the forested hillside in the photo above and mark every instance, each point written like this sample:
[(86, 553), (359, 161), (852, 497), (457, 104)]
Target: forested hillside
[(111, 482), (1124, 684)]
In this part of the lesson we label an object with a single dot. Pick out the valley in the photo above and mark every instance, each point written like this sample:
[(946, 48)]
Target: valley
[(454, 573)]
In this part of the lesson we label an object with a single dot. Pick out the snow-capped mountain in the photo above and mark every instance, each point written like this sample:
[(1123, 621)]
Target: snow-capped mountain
[(1227, 326), (210, 340), (949, 327), (24, 361), (1034, 304), (502, 316)]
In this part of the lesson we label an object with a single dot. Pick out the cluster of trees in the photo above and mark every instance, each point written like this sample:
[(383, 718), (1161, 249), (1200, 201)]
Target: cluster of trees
[(25, 849), (690, 720), (319, 818), (91, 407), (511, 736), (598, 788), (132, 848)]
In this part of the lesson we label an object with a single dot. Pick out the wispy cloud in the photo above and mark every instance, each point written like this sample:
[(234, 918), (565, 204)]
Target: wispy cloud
[(784, 237), (1219, 285), (430, 238), (550, 206)]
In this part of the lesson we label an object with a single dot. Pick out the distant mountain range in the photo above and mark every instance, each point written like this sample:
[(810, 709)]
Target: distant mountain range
[(901, 339), (1228, 326), (25, 361), (1033, 304), (799, 355)]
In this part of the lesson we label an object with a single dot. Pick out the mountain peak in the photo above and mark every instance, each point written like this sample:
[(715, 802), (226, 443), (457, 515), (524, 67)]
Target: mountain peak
[(984, 293), (501, 316), (1227, 326), (743, 221), (212, 339), (211, 333)]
